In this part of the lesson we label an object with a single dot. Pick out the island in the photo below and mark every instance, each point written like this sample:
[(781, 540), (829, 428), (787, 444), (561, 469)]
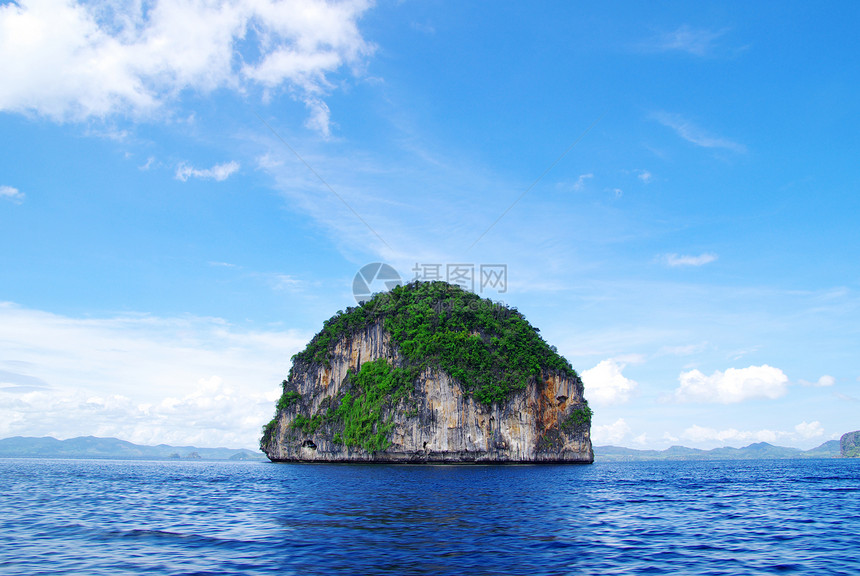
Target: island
[(850, 444), (430, 373)]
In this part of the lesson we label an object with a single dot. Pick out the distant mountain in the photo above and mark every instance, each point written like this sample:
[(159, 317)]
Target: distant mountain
[(829, 449), (757, 451), (114, 449), (850, 445)]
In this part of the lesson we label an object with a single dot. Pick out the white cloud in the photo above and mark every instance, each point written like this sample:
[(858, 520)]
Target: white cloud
[(822, 382), (12, 194), (141, 378), (645, 176), (605, 384), (695, 135), (733, 385), (610, 433), (218, 172), (320, 116), (73, 60), (808, 430), (677, 260)]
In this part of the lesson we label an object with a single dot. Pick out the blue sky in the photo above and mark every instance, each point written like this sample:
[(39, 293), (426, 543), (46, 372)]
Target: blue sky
[(187, 190)]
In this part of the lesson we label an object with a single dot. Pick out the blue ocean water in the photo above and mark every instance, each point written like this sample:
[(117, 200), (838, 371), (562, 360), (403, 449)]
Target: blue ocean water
[(109, 517)]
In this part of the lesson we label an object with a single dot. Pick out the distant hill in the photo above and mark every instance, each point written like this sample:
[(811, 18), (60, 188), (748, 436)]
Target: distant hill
[(114, 449), (850, 445), (757, 451)]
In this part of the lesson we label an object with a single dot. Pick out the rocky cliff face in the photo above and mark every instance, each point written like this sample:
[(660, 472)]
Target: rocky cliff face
[(427, 419), (850, 444)]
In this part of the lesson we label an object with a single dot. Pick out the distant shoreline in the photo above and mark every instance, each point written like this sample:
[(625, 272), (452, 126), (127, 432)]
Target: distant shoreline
[(756, 451), (94, 448), (91, 447)]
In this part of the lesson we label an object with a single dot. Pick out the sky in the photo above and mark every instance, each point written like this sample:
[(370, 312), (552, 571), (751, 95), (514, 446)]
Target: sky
[(188, 189)]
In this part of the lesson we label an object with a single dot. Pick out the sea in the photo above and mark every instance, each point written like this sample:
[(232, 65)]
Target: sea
[(93, 517)]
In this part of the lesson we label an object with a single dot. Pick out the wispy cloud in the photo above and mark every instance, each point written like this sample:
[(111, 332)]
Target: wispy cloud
[(285, 282), (423, 27), (698, 42), (219, 172), (645, 176), (680, 260), (148, 165), (75, 60), (694, 134), (320, 116), (14, 382), (11, 194), (846, 398), (581, 181), (684, 350)]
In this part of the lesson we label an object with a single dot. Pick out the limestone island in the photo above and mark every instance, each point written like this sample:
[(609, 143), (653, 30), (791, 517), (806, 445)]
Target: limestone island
[(850, 444), (430, 373)]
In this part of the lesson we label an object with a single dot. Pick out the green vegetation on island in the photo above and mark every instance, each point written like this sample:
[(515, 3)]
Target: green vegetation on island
[(490, 349)]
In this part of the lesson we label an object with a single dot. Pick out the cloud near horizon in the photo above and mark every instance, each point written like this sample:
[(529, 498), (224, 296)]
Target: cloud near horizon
[(73, 60), (700, 434), (803, 431), (732, 386), (138, 377)]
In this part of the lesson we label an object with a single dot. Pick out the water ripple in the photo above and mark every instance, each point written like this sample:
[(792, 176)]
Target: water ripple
[(726, 518)]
